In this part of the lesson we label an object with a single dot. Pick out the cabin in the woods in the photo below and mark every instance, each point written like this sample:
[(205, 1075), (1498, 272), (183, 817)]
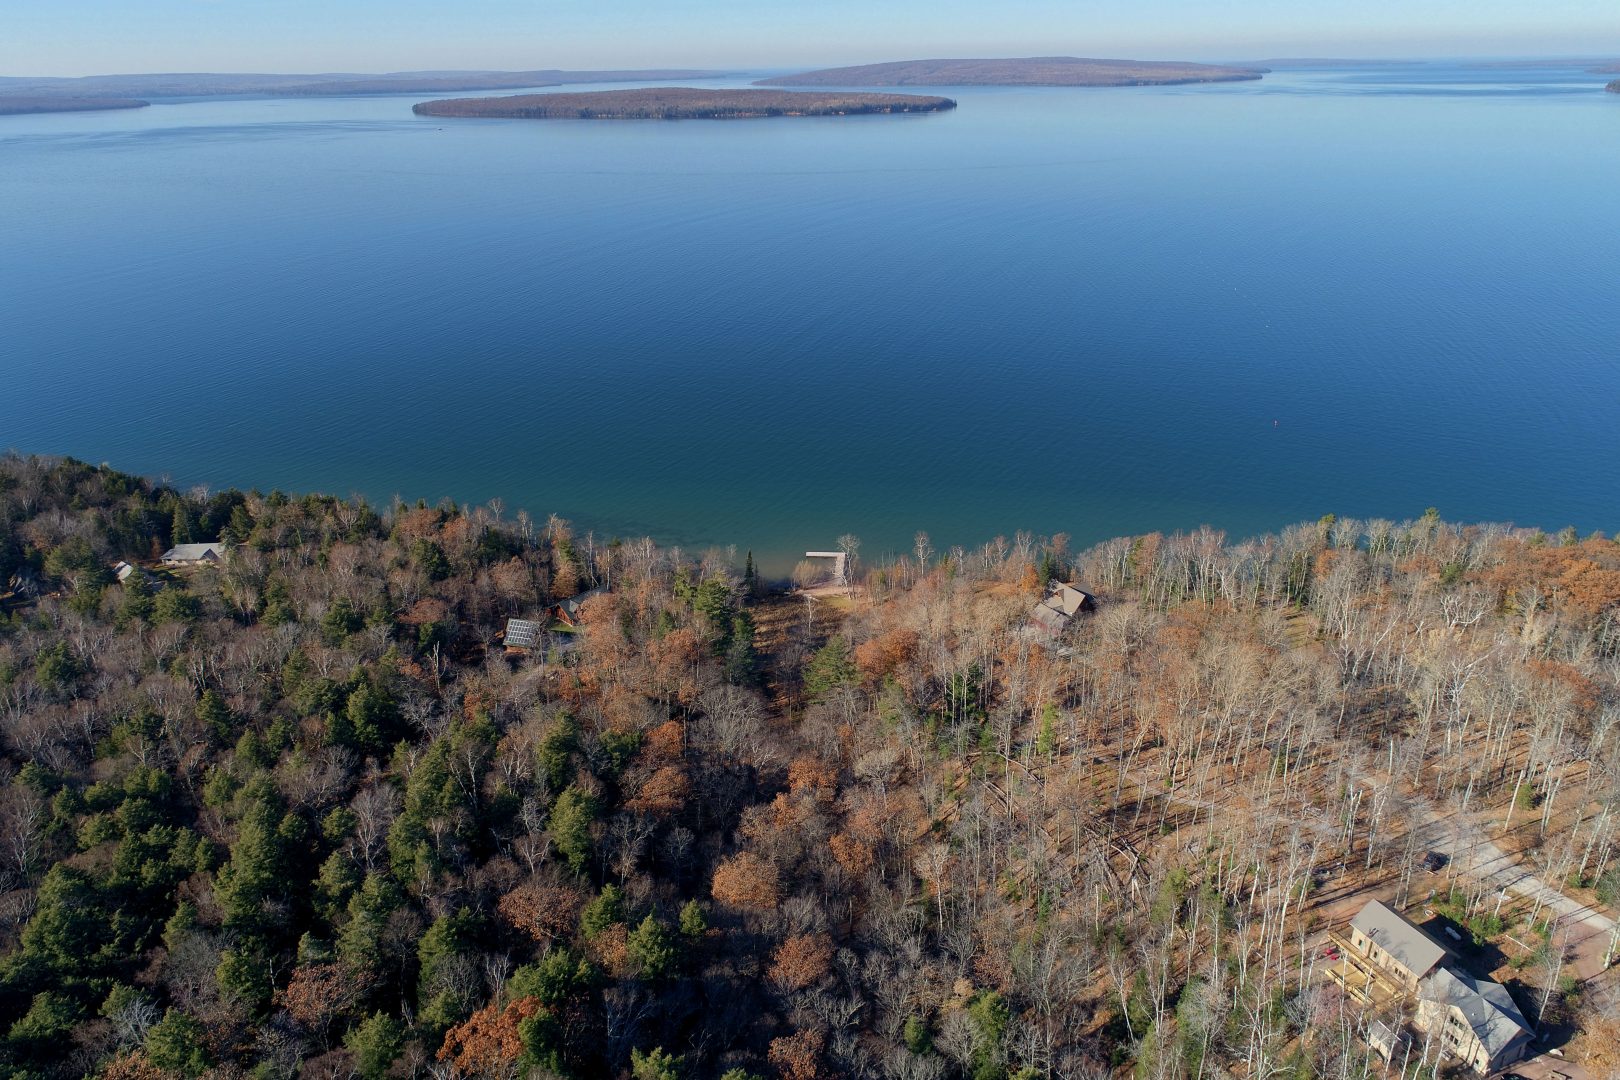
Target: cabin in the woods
[(567, 611), (1060, 606), (195, 554)]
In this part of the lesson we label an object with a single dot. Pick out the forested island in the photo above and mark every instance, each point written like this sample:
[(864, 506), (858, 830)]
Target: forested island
[(681, 103), (1026, 71), (1614, 87), (21, 104), (426, 82), (298, 799)]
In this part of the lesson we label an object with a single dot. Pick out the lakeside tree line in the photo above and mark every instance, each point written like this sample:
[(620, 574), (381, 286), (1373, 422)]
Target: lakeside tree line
[(682, 103), (301, 813)]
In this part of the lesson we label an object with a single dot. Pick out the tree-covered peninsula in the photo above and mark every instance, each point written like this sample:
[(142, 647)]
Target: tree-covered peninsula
[(681, 103), (1021, 71), (298, 798), (160, 85), (1614, 87), (19, 105)]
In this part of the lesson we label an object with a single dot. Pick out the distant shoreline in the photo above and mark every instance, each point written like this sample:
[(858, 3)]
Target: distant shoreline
[(101, 87), (1022, 71), (680, 103), (28, 106)]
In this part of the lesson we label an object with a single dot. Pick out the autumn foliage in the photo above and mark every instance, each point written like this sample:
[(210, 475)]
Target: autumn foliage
[(747, 881), (883, 655), (301, 814), (800, 962), (317, 993), (490, 1041), (544, 910), (798, 1056), (663, 793)]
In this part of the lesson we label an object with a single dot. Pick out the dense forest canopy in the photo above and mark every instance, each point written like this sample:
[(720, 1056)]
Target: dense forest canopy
[(302, 813), (681, 103)]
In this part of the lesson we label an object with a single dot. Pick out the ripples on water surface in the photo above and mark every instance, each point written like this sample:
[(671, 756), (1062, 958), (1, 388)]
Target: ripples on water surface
[(1095, 311)]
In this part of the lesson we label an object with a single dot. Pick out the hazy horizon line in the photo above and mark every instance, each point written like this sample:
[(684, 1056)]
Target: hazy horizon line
[(716, 70)]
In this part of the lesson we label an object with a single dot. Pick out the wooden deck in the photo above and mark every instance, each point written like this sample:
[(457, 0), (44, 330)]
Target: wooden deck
[(1360, 977)]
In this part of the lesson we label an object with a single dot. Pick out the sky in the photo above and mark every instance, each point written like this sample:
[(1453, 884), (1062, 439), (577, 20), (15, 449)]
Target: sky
[(82, 37)]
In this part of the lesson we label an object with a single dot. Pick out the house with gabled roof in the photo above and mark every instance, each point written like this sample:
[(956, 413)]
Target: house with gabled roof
[(1395, 945), (1475, 1019), (1060, 606), (195, 554)]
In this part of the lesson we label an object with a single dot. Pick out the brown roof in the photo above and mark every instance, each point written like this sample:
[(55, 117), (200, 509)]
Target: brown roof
[(1415, 950)]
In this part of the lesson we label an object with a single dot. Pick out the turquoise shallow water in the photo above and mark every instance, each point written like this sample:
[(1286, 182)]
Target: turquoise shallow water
[(1096, 311)]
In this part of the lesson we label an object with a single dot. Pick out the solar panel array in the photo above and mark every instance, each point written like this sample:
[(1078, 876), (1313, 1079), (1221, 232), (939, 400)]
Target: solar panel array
[(523, 633)]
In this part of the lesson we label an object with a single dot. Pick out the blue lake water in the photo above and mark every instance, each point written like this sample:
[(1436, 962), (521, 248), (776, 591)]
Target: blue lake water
[(1363, 291)]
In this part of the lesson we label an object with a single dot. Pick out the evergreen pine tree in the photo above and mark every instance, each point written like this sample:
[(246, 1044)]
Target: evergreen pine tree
[(181, 528)]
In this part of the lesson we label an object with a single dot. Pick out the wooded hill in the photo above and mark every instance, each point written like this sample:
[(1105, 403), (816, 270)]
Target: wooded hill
[(19, 105), (681, 103), (303, 814), (426, 82), (1026, 71)]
